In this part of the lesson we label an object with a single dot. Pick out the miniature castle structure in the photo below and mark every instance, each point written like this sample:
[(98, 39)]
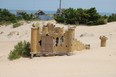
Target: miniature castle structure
[(53, 40), (103, 40)]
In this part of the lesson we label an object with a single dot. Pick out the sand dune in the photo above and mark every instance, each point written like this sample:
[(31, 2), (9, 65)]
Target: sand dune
[(96, 62)]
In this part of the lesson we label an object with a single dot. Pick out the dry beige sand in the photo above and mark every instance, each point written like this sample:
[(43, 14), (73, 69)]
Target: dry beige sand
[(96, 62)]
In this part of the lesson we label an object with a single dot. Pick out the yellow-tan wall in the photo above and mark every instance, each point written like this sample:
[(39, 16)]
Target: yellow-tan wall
[(69, 44)]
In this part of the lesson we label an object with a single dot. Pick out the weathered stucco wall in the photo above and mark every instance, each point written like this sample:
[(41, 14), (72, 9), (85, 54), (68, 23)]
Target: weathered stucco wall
[(63, 41)]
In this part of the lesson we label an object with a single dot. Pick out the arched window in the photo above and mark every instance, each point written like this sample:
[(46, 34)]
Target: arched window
[(57, 41)]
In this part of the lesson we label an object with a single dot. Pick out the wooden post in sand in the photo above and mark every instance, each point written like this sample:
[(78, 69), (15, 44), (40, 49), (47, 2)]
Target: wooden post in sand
[(103, 40)]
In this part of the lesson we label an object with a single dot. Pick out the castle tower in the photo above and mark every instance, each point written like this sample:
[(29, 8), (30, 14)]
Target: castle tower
[(70, 39), (103, 41), (34, 40)]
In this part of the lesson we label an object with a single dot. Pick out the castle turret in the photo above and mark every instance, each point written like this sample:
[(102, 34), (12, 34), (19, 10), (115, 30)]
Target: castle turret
[(103, 41), (70, 39), (34, 40)]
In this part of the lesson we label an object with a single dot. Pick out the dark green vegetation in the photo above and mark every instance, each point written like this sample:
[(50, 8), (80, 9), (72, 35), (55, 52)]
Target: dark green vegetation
[(7, 18), (82, 16), (27, 17), (112, 18), (16, 25), (68, 16), (22, 49)]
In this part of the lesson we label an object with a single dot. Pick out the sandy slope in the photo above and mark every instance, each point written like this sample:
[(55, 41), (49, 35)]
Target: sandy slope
[(96, 62)]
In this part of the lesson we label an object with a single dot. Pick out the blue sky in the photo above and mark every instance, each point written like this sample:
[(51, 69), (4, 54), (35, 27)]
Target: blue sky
[(52, 5)]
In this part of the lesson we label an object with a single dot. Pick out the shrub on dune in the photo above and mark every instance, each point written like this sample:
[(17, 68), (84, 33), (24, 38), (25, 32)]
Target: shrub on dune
[(20, 50), (16, 25)]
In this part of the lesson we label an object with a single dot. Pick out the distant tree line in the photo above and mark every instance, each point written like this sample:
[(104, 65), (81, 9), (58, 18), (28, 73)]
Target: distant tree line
[(68, 16), (25, 16), (83, 16), (7, 17), (112, 18)]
